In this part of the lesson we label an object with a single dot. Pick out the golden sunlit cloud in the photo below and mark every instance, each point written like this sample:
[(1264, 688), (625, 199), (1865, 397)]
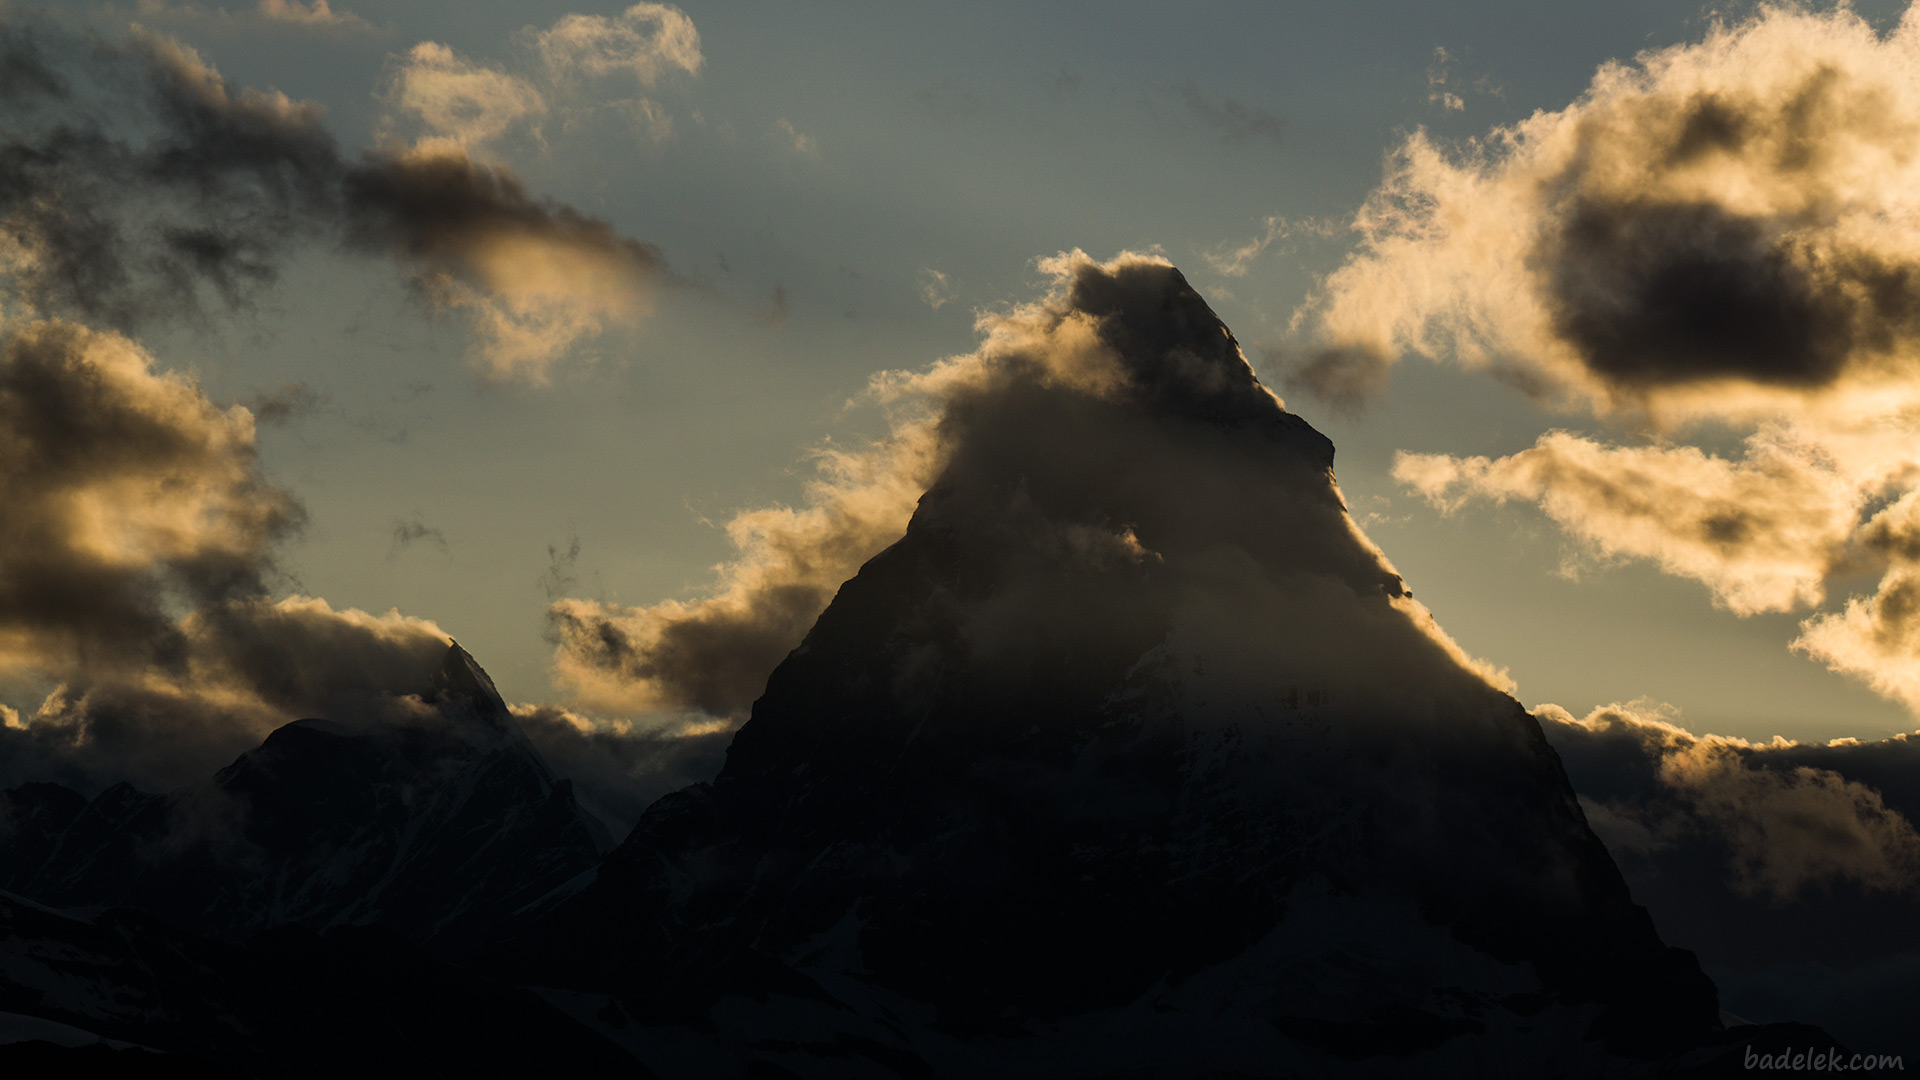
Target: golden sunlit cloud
[(1789, 826), (458, 100), (1086, 339), (536, 278), (1724, 231)]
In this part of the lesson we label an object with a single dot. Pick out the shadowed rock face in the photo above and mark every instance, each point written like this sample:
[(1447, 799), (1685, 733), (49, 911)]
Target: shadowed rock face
[(1133, 750), (435, 819)]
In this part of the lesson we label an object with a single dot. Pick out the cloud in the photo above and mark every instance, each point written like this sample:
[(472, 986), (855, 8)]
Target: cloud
[(1876, 638), (241, 668), (648, 40), (407, 533), (619, 767), (535, 277), (135, 555), (127, 493), (284, 403), (1055, 383), (804, 145), (196, 193), (713, 654), (458, 100), (1235, 260), (122, 232), (319, 13), (1723, 232), (1763, 532), (1236, 121), (1437, 76), (1720, 225), (1789, 817), (935, 288)]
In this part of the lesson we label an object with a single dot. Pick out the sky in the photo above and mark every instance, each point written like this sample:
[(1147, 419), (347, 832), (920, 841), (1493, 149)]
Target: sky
[(564, 337)]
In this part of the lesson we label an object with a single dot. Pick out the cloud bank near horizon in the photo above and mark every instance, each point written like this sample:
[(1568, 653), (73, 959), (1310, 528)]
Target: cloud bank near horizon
[(1791, 817)]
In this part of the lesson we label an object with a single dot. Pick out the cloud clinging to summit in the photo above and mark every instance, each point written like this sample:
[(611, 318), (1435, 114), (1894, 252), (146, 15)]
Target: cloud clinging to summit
[(1088, 372)]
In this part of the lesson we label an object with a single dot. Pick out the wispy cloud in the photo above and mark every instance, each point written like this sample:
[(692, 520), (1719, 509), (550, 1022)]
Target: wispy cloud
[(1234, 260), (1232, 119), (804, 145), (935, 288), (210, 189)]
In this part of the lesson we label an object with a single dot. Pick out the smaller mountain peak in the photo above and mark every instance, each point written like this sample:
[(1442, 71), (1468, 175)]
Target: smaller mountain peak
[(461, 679)]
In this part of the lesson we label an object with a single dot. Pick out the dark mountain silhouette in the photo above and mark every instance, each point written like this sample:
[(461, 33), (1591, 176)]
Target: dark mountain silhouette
[(1132, 757), (437, 821)]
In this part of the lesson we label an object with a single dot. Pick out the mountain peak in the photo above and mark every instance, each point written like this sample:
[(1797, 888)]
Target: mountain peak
[(462, 681), (1132, 727)]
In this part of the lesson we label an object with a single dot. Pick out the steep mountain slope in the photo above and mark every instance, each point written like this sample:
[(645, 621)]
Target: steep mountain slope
[(431, 816), (1132, 756)]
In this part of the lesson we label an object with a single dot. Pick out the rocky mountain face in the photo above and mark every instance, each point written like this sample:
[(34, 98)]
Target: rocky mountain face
[(1132, 757), (434, 819)]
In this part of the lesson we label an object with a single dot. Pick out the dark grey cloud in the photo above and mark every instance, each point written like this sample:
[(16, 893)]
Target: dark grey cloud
[(560, 576), (1345, 378), (284, 403), (1653, 293), (135, 186), (410, 531), (1234, 120), (1734, 214)]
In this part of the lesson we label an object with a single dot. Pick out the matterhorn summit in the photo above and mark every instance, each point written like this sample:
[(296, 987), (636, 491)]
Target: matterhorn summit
[(1133, 756)]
